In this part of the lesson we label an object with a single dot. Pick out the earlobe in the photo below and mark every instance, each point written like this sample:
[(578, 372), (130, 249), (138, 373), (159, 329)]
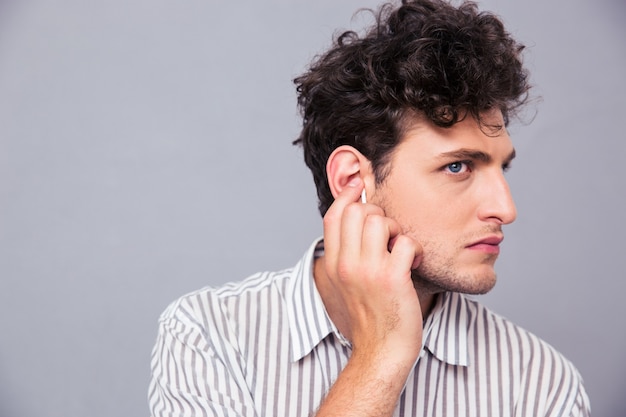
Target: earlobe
[(344, 165)]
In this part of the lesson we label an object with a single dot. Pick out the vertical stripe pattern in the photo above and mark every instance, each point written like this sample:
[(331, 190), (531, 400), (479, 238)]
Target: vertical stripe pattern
[(266, 347)]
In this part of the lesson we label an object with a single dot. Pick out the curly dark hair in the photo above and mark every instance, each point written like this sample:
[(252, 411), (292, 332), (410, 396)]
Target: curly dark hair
[(426, 57)]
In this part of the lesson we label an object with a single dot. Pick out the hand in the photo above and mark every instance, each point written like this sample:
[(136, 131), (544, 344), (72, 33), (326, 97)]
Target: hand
[(368, 263)]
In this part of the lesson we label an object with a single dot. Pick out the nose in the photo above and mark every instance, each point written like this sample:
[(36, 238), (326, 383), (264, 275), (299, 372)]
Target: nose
[(497, 203)]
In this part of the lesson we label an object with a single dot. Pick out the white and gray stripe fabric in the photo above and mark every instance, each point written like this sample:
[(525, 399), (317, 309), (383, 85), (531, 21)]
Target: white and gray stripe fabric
[(266, 347)]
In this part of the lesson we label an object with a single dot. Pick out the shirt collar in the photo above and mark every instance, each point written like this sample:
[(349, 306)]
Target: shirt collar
[(445, 329), (309, 322)]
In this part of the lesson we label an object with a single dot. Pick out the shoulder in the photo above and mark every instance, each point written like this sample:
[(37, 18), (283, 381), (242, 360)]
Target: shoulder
[(538, 371), (493, 327), (210, 303)]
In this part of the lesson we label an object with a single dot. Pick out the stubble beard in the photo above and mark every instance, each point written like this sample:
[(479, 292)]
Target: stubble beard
[(438, 273)]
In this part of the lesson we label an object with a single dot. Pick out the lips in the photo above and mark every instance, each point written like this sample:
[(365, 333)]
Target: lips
[(490, 244)]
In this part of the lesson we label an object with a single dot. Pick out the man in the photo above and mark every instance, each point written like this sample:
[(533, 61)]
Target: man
[(404, 131)]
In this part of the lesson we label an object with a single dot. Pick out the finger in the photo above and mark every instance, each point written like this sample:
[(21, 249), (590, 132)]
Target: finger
[(351, 232), (334, 217), (353, 224), (405, 255), (377, 233)]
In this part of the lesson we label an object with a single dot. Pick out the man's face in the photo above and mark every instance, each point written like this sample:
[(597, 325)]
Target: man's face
[(446, 188)]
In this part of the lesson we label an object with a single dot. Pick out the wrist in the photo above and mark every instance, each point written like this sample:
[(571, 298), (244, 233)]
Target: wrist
[(384, 365)]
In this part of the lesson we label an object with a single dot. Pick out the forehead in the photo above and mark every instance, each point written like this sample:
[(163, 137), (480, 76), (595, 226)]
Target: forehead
[(425, 141)]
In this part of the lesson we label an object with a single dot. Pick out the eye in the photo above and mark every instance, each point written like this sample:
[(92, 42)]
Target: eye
[(458, 167)]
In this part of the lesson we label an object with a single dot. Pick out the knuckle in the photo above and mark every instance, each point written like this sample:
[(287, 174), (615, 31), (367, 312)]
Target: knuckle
[(344, 270), (375, 221), (352, 209), (404, 240), (407, 242), (331, 219), (330, 215)]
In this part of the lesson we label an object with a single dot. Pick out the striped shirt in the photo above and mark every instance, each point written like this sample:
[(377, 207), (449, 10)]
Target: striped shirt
[(267, 347)]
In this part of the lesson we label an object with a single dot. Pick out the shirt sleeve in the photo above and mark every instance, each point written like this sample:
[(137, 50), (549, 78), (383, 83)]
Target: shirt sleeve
[(195, 370), (581, 407), (568, 397)]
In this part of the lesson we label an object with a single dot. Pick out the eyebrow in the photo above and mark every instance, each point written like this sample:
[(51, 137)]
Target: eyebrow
[(474, 155)]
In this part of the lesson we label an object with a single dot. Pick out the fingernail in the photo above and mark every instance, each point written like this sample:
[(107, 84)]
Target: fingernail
[(354, 182)]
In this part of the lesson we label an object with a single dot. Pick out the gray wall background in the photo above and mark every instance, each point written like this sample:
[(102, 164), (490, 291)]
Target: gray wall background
[(145, 152)]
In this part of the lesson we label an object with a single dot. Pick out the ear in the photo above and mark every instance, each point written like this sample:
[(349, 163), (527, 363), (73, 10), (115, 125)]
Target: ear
[(343, 165)]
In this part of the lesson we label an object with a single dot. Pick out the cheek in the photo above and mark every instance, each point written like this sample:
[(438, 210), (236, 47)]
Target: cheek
[(432, 217), (445, 213), (433, 226), (424, 212)]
